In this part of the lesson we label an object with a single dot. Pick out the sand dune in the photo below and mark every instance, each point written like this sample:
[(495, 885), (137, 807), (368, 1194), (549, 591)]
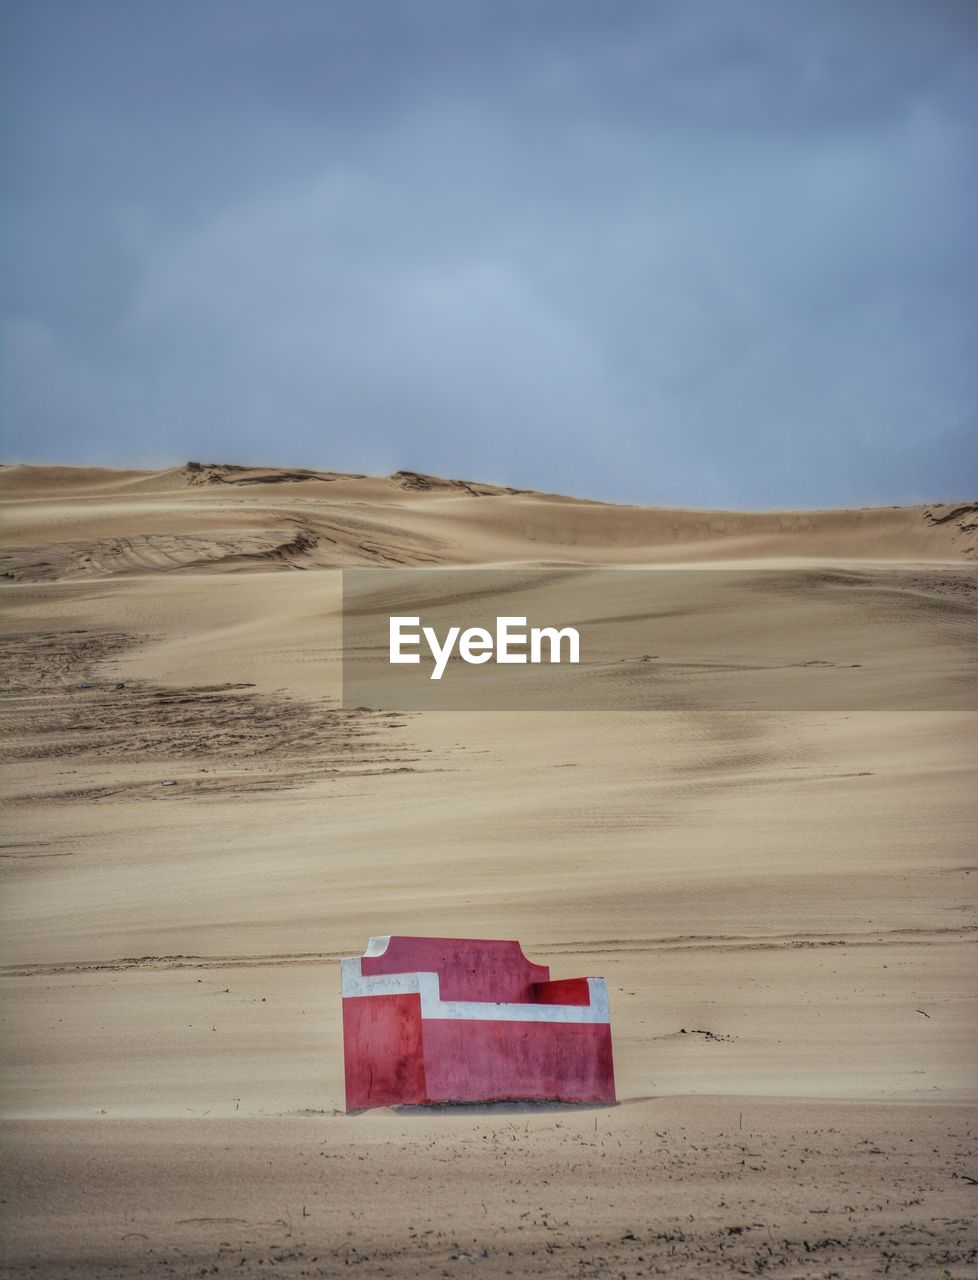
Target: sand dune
[(783, 903), (63, 523)]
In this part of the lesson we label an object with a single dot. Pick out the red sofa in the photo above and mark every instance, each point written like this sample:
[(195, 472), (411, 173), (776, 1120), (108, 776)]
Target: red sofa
[(433, 1020)]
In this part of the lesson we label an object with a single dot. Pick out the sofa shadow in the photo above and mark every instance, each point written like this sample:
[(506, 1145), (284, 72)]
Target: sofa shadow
[(504, 1107)]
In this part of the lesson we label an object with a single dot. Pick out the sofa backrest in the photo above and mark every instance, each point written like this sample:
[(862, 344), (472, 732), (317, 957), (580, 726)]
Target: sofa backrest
[(469, 968)]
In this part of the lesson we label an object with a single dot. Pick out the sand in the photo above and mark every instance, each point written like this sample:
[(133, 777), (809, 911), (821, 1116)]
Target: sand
[(798, 886)]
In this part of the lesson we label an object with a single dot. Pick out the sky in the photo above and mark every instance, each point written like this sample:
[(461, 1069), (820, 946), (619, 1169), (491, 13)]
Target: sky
[(678, 252)]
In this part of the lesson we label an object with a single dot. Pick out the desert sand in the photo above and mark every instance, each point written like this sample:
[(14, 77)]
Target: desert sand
[(783, 903)]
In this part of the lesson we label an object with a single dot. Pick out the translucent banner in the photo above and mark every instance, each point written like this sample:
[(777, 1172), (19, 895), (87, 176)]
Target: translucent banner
[(739, 639)]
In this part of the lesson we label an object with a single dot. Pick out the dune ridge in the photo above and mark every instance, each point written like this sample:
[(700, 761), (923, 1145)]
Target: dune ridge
[(199, 517)]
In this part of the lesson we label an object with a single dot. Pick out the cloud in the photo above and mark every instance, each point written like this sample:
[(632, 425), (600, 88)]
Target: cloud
[(654, 252)]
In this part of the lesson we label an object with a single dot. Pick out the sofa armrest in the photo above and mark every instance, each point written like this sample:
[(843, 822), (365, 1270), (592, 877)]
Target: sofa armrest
[(561, 991)]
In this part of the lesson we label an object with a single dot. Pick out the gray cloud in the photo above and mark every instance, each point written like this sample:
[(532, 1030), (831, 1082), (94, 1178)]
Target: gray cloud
[(711, 254)]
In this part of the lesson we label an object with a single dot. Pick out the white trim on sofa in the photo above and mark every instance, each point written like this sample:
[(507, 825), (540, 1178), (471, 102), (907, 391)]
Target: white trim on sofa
[(356, 983)]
